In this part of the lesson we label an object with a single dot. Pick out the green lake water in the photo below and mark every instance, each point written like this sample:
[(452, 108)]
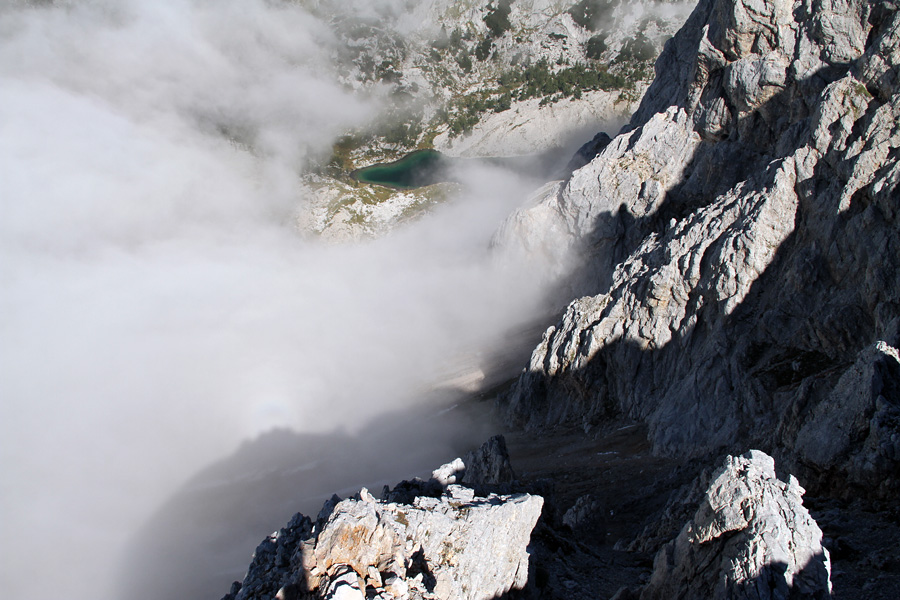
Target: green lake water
[(427, 167), (417, 169)]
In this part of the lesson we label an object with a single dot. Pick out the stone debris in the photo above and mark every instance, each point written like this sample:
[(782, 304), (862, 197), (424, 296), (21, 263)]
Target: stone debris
[(751, 537)]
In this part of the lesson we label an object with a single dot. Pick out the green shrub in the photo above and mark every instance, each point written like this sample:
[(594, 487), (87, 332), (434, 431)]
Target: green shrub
[(483, 49), (497, 18), (596, 46), (592, 14), (387, 72), (503, 103), (637, 49)]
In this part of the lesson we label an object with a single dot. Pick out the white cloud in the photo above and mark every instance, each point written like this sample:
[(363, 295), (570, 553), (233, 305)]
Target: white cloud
[(157, 306)]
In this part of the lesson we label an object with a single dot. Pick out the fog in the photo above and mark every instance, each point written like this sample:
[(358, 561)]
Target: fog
[(158, 307)]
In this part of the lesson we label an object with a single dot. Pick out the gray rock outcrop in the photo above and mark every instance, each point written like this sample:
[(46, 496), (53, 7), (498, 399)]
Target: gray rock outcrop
[(750, 538), (741, 243), (457, 546), (489, 464), (856, 431), (583, 511)]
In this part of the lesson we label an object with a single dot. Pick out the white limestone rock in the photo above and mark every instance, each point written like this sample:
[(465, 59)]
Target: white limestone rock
[(472, 547), (739, 240), (341, 212), (344, 585), (449, 473), (457, 546), (750, 538), (529, 128)]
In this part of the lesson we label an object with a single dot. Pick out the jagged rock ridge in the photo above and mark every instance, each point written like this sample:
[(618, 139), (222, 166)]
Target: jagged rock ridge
[(749, 537), (742, 245)]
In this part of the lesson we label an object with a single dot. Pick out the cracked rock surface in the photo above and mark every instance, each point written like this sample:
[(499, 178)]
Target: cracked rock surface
[(443, 543), (751, 537), (741, 242)]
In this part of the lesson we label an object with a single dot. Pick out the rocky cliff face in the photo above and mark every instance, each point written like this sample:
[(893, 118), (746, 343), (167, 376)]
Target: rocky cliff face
[(742, 242)]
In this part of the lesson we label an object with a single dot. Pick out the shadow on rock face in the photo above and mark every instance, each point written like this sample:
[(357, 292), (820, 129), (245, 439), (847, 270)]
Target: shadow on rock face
[(737, 266)]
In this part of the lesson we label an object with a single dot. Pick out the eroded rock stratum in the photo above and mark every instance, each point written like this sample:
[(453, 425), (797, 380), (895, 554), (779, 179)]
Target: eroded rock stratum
[(741, 245)]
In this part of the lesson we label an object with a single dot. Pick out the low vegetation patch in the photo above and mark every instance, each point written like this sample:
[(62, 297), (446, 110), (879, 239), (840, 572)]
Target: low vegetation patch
[(497, 18), (593, 14)]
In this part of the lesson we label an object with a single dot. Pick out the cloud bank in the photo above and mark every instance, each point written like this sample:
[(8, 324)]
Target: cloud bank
[(157, 305)]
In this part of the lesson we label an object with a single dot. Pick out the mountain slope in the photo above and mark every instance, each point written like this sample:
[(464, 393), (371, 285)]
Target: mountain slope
[(475, 79), (742, 244), (738, 243)]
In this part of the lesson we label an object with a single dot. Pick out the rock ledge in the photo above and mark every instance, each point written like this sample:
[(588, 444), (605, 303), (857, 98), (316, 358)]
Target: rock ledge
[(445, 543)]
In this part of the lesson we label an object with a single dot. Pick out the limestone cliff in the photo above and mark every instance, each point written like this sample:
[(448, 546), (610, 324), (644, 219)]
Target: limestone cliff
[(742, 246)]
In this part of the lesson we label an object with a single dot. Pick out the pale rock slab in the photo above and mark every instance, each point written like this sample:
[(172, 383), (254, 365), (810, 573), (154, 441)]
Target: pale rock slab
[(529, 128), (750, 538), (454, 545)]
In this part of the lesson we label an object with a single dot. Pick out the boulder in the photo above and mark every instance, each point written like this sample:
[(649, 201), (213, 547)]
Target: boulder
[(751, 537), (457, 546), (450, 472)]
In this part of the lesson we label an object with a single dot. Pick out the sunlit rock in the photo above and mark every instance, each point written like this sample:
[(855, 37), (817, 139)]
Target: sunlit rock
[(453, 546), (750, 538), (738, 241)]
